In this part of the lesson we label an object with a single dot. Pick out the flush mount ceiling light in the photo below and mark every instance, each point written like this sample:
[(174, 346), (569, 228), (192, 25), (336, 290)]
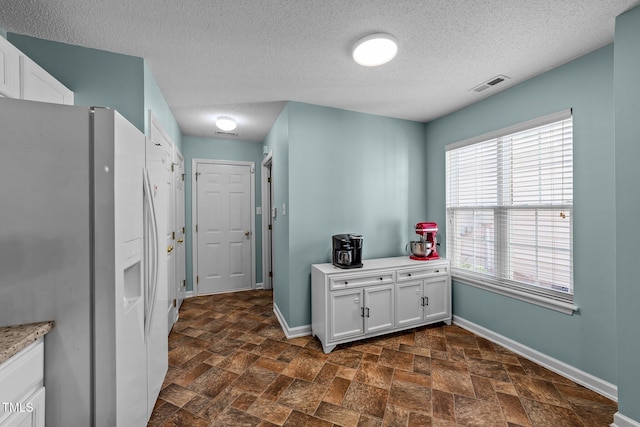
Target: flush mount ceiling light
[(226, 124), (375, 49)]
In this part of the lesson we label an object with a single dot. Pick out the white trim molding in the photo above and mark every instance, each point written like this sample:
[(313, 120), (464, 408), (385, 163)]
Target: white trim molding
[(298, 331), (620, 420), (576, 375)]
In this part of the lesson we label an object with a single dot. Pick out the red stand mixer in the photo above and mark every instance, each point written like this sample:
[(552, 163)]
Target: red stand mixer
[(425, 248)]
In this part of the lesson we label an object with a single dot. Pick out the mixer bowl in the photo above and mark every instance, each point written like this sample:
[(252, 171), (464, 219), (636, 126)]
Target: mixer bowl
[(420, 249)]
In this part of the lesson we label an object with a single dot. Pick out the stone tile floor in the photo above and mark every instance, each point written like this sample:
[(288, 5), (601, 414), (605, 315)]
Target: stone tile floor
[(230, 364)]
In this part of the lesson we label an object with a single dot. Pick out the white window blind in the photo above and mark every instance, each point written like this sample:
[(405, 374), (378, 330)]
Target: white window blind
[(509, 201)]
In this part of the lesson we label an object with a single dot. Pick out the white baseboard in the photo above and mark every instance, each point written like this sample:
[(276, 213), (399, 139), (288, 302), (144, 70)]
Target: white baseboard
[(259, 286), (620, 420), (576, 375), (188, 294), (298, 331)]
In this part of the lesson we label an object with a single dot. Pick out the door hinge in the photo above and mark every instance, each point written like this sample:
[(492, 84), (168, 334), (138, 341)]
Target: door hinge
[(269, 226), (197, 173), (197, 279), (173, 167), (196, 228), (175, 303), (271, 274), (269, 180), (173, 235), (184, 282), (182, 230), (183, 177)]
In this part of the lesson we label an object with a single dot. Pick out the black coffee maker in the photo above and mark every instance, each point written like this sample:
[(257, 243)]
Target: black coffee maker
[(347, 250)]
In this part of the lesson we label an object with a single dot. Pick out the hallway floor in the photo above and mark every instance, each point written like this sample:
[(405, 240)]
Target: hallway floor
[(230, 364)]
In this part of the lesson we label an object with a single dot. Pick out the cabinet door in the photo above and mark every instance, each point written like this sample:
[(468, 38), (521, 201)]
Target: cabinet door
[(38, 85), (346, 314), (9, 70), (379, 308), (408, 303), (436, 292), (31, 414)]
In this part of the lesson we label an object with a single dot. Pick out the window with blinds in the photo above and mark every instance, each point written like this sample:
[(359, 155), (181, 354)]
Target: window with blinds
[(509, 200)]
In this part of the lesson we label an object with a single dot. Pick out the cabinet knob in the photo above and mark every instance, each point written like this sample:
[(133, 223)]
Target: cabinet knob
[(381, 278), (346, 283), (437, 271), (409, 274)]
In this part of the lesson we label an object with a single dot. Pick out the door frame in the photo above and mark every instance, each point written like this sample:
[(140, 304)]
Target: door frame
[(180, 261), (194, 215), (267, 244)]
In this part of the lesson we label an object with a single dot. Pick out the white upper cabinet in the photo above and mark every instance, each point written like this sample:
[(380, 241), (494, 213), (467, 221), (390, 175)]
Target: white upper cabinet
[(38, 85), (9, 70), (22, 78)]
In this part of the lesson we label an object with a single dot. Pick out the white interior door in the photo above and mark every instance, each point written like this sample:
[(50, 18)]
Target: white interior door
[(178, 177), (224, 218), (164, 144)]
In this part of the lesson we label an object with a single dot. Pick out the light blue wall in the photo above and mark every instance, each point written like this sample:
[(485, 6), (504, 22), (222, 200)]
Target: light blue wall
[(586, 340), (96, 77), (627, 176), (154, 101), (347, 173), (278, 142), (220, 149)]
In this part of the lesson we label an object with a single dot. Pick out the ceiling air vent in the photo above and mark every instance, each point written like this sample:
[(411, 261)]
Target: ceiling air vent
[(226, 133), (490, 83)]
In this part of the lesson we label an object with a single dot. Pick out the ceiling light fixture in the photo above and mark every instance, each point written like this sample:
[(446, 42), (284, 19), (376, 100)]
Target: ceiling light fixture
[(375, 49), (226, 124)]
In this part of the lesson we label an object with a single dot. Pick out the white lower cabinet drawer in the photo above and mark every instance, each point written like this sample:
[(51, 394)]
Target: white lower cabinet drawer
[(421, 273), (352, 280)]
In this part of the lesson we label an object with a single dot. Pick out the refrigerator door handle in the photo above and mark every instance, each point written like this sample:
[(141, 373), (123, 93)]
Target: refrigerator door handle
[(152, 232)]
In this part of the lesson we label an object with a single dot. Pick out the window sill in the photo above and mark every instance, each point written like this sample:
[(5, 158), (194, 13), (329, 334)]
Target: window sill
[(549, 303)]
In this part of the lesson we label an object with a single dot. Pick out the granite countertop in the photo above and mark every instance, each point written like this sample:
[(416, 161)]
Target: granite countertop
[(16, 338)]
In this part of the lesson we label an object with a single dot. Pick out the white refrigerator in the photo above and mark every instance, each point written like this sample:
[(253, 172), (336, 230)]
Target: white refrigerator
[(81, 224)]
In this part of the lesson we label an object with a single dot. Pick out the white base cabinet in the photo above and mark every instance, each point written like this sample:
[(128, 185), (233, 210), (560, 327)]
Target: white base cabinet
[(385, 295)]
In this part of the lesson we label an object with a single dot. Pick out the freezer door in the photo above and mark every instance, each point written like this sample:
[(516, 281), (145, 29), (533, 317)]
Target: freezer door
[(121, 391)]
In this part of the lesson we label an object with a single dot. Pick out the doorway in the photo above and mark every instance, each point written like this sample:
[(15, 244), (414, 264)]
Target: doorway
[(223, 218), (267, 222)]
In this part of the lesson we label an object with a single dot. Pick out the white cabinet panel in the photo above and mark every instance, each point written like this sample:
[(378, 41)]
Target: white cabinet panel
[(379, 308), (22, 392), (9, 70), (409, 303), (437, 295), (31, 414), (38, 85), (346, 314)]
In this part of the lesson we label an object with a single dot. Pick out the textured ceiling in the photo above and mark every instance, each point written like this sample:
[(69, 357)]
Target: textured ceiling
[(245, 58)]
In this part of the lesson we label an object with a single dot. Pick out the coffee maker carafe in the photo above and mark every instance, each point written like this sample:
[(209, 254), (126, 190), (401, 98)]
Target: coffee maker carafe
[(347, 250)]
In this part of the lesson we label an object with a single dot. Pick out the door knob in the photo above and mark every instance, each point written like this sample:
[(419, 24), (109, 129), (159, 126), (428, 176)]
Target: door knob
[(247, 232), (180, 240), (169, 248)]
